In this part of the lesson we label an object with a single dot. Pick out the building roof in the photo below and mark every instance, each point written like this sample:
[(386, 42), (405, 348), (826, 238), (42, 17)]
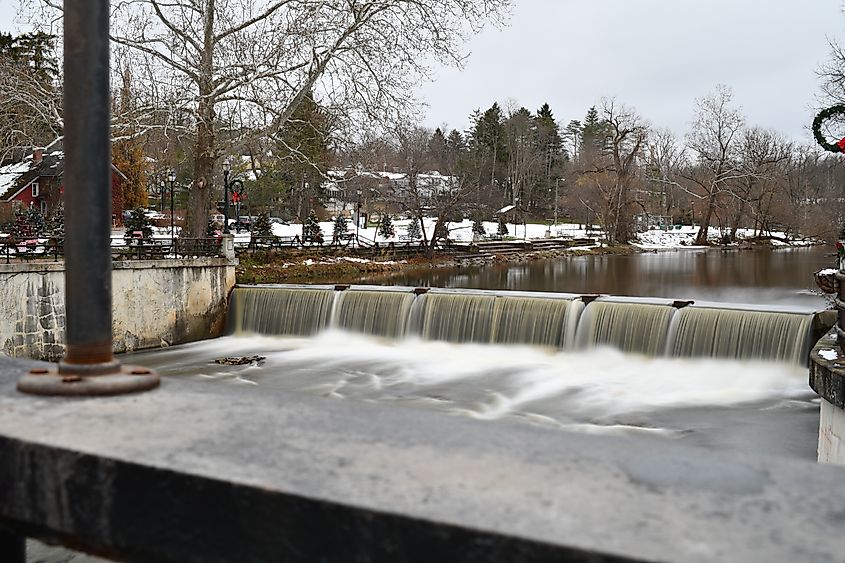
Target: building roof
[(16, 176)]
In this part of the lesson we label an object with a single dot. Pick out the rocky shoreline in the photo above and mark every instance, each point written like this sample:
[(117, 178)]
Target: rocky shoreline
[(305, 267)]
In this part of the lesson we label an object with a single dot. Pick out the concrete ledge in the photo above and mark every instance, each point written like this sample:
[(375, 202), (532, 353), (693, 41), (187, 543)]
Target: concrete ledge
[(41, 267), (155, 303), (212, 472), (827, 374)]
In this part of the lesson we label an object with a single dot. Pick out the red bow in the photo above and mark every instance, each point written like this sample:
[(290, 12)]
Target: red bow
[(841, 144)]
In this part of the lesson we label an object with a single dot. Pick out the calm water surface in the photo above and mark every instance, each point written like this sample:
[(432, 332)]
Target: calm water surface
[(777, 277)]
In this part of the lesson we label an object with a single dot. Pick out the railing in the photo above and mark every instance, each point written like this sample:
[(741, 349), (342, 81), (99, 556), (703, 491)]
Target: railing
[(18, 249), (31, 248), (198, 247)]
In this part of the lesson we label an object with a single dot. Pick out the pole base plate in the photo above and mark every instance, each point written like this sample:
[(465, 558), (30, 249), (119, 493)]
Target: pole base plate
[(62, 382)]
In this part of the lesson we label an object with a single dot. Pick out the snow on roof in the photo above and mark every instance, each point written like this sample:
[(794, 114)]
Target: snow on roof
[(506, 208), (10, 173), (392, 175)]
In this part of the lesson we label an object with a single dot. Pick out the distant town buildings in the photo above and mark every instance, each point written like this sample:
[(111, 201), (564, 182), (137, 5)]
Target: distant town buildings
[(36, 181)]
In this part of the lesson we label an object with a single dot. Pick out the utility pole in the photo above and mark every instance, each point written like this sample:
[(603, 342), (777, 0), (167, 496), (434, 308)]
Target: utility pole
[(557, 183)]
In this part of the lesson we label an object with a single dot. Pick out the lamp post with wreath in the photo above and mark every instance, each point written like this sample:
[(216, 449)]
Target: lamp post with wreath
[(833, 282), (237, 187)]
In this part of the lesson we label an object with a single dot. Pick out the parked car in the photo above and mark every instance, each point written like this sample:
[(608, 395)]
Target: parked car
[(217, 220)]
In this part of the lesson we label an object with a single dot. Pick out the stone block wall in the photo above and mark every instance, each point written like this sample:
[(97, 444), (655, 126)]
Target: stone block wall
[(155, 303)]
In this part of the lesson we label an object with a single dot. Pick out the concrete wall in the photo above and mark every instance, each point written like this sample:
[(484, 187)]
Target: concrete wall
[(156, 303), (831, 434)]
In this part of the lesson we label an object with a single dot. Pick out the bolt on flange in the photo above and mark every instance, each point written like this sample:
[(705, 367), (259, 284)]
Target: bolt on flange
[(88, 380)]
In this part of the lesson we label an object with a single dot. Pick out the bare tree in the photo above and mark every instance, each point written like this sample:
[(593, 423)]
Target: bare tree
[(612, 170), (30, 95), (713, 140), (237, 69), (665, 160), (762, 154), (442, 198)]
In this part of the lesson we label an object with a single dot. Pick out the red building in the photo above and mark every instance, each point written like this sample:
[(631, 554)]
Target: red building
[(36, 180)]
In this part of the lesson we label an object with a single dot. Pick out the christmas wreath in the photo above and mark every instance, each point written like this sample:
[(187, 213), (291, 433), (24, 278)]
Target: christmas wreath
[(823, 116)]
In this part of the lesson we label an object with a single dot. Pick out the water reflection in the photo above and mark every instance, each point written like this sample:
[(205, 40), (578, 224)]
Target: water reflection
[(782, 276)]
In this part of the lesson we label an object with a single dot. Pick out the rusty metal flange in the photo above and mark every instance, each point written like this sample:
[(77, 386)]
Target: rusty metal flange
[(62, 381)]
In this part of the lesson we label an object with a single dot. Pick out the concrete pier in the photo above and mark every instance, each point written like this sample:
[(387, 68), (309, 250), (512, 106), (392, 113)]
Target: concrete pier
[(198, 472)]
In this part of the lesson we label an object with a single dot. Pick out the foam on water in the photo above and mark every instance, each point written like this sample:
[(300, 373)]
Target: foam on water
[(492, 381)]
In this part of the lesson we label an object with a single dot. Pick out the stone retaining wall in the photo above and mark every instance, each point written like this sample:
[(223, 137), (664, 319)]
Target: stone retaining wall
[(156, 303)]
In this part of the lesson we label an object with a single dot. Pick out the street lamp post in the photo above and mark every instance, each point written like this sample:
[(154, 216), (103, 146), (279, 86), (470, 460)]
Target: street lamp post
[(237, 195), (357, 221), (557, 185), (227, 167), (171, 177), (161, 190)]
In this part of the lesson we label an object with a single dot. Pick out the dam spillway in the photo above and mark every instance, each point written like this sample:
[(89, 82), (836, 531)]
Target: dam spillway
[(651, 327)]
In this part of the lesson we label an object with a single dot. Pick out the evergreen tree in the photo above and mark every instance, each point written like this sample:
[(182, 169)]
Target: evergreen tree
[(503, 227), (340, 227), (36, 50), (312, 230), (414, 232), (548, 130), (262, 227), (300, 155), (55, 223), (573, 134), (456, 147), (441, 232), (138, 222), (29, 92), (478, 227), (29, 223), (386, 227), (594, 132), (487, 142), (438, 149)]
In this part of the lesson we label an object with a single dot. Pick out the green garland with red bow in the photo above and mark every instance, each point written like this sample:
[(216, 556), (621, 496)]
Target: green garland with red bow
[(824, 115)]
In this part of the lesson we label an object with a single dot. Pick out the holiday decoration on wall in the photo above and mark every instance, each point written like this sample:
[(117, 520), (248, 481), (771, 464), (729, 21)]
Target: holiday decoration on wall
[(824, 115)]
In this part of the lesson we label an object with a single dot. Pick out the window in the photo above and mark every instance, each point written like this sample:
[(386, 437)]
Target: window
[(43, 207), (35, 189)]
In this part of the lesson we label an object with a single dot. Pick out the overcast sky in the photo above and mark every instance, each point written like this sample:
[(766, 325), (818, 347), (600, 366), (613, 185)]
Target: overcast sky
[(655, 55)]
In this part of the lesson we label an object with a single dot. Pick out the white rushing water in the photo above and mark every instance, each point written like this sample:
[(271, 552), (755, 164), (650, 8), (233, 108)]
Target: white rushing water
[(600, 390)]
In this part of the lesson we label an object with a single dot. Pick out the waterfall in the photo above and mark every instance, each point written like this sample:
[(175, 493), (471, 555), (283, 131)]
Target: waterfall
[(646, 326), (728, 333), (380, 313), (630, 327), (281, 310), (455, 317), (530, 320)]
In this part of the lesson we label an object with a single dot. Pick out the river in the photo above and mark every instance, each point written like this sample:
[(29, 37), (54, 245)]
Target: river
[(750, 406), (763, 277)]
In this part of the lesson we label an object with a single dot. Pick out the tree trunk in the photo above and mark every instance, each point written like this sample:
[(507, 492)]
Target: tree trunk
[(701, 237), (200, 196)]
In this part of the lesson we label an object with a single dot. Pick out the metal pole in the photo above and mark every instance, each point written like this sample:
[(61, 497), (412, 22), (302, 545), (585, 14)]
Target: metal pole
[(225, 202), (88, 365), (12, 547), (172, 224), (161, 190), (87, 180), (357, 224)]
